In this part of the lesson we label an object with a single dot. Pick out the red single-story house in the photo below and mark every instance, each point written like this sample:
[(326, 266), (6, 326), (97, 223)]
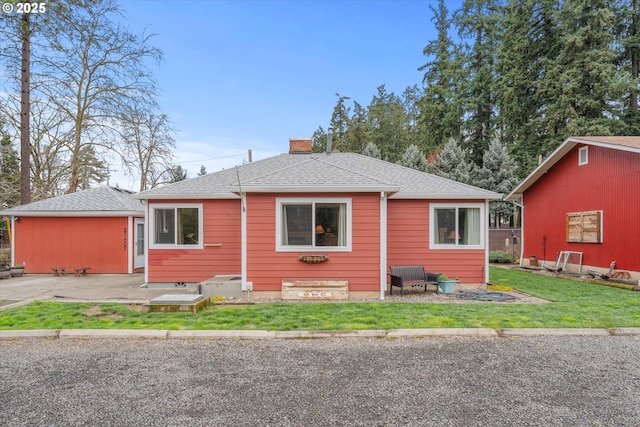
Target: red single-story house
[(585, 197), (271, 221), (100, 228)]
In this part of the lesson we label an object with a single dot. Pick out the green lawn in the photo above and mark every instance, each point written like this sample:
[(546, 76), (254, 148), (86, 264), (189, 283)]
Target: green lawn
[(573, 304)]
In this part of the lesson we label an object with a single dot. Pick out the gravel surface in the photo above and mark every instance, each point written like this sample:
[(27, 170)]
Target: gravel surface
[(537, 381)]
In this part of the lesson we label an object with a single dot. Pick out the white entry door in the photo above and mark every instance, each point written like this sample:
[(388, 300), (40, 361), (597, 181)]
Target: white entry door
[(138, 258)]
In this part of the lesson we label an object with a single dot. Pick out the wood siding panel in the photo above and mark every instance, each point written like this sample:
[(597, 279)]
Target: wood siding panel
[(99, 243), (221, 226), (408, 243), (610, 183), (266, 268)]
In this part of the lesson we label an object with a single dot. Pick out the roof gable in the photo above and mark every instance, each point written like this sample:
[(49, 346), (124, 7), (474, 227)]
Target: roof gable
[(105, 201), (625, 143)]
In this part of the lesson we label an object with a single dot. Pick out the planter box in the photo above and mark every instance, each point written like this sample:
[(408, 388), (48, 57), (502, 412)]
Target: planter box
[(447, 286), (5, 273), (17, 272)]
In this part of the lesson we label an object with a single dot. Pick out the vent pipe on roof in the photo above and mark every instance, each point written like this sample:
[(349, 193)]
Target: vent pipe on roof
[(329, 140)]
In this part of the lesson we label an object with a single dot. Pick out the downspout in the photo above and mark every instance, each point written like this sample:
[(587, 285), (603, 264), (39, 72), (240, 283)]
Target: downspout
[(521, 206), (243, 242), (383, 244), (11, 228), (130, 251), (485, 272), (147, 237)]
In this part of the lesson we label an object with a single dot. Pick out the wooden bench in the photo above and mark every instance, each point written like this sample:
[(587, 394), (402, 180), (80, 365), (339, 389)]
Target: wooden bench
[(411, 275)]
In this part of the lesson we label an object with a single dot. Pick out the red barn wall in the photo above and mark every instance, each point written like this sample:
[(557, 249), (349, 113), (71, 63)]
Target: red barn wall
[(610, 183), (408, 242), (46, 242), (221, 226), (361, 267)]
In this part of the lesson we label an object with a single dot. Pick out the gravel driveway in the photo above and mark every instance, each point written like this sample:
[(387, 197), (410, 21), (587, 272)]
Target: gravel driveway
[(536, 381)]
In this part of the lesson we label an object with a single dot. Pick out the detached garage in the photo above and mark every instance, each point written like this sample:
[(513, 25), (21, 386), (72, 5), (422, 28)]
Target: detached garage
[(100, 229)]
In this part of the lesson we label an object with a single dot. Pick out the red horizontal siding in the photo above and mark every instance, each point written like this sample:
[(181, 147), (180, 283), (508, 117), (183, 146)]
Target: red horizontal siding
[(610, 183), (221, 226), (408, 243), (95, 242), (266, 268)]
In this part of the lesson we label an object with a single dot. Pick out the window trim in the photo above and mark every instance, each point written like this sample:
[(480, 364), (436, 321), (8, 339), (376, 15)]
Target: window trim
[(583, 152), (175, 207), (455, 246), (281, 201)]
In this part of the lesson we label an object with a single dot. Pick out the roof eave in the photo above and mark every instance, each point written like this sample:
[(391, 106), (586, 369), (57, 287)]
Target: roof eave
[(49, 213), (496, 196), (209, 196)]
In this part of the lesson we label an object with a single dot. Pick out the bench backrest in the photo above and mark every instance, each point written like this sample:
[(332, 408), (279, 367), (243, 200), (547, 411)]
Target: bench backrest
[(408, 272)]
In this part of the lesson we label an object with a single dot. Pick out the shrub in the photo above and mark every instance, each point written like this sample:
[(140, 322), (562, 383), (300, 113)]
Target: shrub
[(500, 257)]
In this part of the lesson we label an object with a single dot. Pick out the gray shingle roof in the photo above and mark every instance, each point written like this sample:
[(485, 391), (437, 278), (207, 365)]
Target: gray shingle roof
[(99, 201), (319, 172)]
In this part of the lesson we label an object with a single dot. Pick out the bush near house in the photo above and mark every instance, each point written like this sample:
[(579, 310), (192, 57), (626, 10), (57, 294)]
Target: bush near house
[(500, 257)]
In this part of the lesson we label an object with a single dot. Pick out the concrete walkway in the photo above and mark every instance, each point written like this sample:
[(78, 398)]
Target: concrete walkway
[(93, 287)]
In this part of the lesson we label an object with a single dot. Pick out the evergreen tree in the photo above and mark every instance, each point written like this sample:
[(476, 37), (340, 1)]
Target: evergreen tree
[(478, 23), (92, 168), (387, 120), (440, 107), (583, 85), (358, 134), (177, 174), (452, 163), (528, 36), (340, 122), (203, 171), (319, 140), (413, 158), (372, 150), (9, 173), (497, 174)]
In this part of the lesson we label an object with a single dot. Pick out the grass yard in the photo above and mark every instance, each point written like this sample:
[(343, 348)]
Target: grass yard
[(573, 304)]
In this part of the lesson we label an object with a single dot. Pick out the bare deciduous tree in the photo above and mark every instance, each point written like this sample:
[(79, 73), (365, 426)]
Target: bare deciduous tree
[(148, 139)]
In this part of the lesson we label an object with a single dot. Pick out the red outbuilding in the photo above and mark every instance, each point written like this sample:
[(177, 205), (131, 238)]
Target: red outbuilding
[(585, 198), (99, 229)]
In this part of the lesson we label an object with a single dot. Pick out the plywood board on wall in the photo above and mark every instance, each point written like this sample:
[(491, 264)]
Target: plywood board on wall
[(584, 227)]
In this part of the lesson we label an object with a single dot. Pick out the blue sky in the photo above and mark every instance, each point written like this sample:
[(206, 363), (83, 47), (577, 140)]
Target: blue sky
[(250, 74)]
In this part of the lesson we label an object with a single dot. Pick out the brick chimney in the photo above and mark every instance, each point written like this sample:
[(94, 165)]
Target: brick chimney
[(300, 145)]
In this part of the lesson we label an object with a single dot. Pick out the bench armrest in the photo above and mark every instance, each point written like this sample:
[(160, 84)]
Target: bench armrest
[(396, 280), (431, 277)]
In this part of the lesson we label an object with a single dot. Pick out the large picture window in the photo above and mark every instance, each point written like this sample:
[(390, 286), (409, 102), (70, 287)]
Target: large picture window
[(176, 226), (303, 223), (457, 226)]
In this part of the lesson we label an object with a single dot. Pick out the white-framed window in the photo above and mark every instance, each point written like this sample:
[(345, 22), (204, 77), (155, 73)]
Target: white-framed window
[(176, 226), (313, 224), (457, 226), (583, 156)]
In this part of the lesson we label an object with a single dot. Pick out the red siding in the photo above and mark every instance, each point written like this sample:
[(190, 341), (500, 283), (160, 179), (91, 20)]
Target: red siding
[(610, 182), (266, 268), (98, 243), (221, 226), (408, 243)]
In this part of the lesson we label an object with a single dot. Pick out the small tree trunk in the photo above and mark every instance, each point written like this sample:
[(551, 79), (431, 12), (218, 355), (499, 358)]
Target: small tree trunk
[(25, 114)]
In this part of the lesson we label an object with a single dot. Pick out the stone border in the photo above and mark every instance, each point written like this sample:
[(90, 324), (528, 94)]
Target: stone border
[(262, 335)]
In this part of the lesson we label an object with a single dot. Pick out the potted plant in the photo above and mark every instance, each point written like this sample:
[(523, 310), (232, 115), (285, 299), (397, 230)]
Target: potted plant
[(17, 270), (445, 285), (5, 271)]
